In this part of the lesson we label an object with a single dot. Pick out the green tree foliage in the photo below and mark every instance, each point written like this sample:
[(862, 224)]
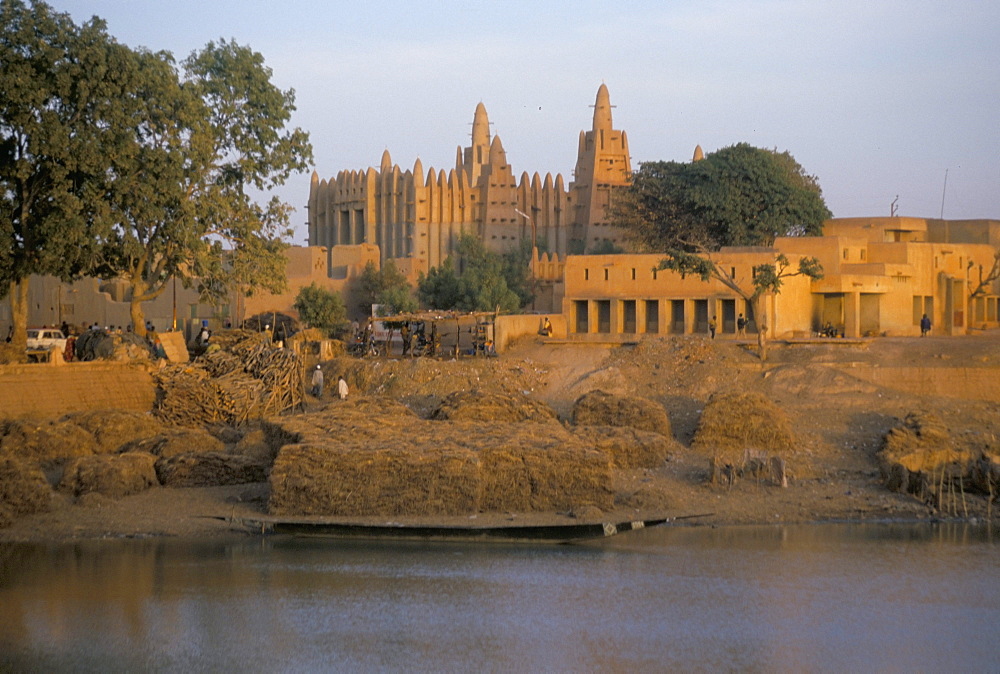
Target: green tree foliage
[(60, 94), (321, 308), (738, 196), (440, 288), (605, 247), (485, 281), (386, 287), (516, 271), (180, 188)]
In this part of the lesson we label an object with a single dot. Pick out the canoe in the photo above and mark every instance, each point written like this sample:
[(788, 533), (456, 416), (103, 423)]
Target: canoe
[(512, 533)]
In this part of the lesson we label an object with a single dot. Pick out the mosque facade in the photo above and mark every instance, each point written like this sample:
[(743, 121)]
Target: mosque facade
[(417, 217)]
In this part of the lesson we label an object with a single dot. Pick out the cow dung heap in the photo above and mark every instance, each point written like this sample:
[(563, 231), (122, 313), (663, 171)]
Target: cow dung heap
[(248, 380), (374, 457), (737, 427), (598, 408), (921, 456)]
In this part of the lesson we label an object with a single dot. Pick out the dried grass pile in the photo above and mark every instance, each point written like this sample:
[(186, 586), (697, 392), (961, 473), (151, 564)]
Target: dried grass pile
[(628, 447), (23, 490), (348, 460), (113, 476), (735, 425), (248, 380), (479, 405), (113, 428), (44, 442), (256, 445), (598, 408), (921, 456), (210, 469), (10, 354), (177, 441)]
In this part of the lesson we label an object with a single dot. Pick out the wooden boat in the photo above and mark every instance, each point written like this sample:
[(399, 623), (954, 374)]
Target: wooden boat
[(511, 533)]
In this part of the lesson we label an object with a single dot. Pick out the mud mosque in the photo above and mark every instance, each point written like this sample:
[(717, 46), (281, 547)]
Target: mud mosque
[(881, 274), (419, 217)]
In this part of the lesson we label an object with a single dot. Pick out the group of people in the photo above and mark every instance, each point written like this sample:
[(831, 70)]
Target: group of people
[(317, 384)]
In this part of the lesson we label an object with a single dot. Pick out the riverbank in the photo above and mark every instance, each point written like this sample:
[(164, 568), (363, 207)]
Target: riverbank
[(839, 411)]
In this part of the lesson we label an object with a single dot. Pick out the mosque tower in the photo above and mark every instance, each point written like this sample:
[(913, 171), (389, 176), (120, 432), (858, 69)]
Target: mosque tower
[(602, 164), (478, 153)]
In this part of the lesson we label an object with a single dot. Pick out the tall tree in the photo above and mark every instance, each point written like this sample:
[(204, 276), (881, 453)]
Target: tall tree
[(480, 280), (738, 196), (59, 95), (321, 308), (385, 286), (200, 145)]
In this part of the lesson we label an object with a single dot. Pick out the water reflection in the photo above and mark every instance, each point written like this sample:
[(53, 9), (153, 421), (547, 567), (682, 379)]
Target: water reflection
[(819, 598)]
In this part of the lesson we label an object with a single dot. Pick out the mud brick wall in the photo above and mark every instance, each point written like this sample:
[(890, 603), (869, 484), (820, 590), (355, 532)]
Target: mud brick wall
[(967, 383), (50, 391)]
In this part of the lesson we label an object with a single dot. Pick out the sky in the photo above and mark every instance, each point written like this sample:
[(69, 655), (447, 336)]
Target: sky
[(878, 98)]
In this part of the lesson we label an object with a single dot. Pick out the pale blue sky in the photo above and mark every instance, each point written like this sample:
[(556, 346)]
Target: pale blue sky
[(877, 98)]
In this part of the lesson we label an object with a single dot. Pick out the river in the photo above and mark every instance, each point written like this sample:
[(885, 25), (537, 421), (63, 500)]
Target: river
[(825, 598)]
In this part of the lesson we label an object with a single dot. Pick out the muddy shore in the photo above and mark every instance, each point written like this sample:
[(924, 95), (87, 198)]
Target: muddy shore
[(840, 410)]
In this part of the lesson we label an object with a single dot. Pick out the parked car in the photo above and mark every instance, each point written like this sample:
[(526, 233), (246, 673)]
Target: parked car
[(43, 339)]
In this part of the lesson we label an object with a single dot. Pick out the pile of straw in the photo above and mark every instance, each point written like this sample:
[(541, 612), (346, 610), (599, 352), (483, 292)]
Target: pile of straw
[(627, 447), (921, 456), (23, 490), (346, 461), (45, 443), (210, 469), (598, 408), (113, 428), (113, 476), (176, 441), (735, 424), (492, 407)]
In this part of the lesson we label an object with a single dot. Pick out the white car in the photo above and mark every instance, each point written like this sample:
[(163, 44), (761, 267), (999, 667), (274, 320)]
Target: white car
[(42, 339)]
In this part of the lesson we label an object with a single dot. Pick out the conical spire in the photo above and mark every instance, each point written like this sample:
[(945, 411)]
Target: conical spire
[(698, 153), (497, 155), (602, 109), (480, 126)]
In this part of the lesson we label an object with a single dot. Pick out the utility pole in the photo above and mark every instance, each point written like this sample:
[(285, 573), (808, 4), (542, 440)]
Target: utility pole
[(531, 222), (943, 192)]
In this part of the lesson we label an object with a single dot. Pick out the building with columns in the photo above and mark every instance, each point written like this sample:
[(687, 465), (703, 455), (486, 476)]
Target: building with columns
[(880, 276)]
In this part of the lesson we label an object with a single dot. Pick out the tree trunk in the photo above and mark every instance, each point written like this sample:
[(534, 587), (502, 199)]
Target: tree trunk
[(19, 316), (760, 316), (135, 308), (138, 317)]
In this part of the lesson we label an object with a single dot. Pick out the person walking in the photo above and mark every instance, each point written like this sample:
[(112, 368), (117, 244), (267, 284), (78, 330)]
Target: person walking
[(925, 326), (342, 388), (711, 326), (317, 382), (741, 327)]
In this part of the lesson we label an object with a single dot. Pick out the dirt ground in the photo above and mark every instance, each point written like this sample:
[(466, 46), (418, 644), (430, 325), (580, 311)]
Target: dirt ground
[(839, 419)]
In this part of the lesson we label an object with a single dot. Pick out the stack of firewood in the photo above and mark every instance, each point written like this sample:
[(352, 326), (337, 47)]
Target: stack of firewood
[(250, 380)]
